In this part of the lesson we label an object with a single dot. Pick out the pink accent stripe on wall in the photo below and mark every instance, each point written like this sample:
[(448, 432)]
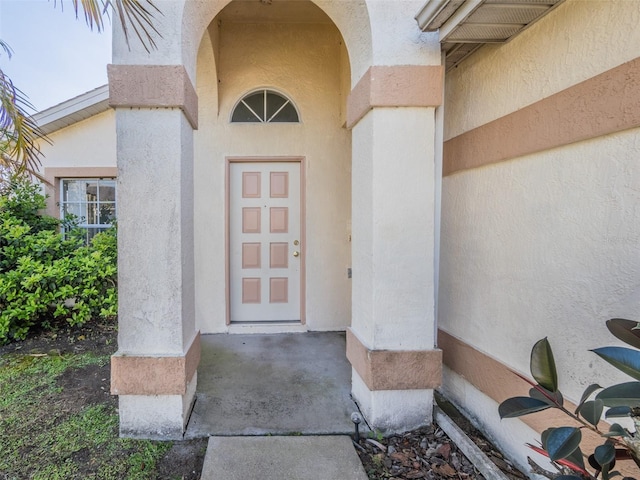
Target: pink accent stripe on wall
[(604, 104)]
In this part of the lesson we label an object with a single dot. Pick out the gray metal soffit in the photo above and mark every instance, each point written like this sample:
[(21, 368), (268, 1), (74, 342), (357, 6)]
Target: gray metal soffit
[(466, 25)]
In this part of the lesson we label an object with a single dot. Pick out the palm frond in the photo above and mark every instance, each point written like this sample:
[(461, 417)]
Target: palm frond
[(140, 17), (92, 13), (7, 49), (136, 15), (19, 132)]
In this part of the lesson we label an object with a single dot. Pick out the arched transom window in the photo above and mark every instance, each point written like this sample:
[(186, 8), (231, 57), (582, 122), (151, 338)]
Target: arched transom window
[(265, 106)]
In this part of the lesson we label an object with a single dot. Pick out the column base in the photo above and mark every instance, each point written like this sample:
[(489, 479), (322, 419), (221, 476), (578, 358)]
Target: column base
[(392, 411), (157, 417)]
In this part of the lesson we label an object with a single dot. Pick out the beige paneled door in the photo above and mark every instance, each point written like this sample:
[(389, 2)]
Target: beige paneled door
[(265, 244)]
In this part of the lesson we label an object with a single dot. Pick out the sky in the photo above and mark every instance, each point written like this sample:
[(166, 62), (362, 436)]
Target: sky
[(55, 56)]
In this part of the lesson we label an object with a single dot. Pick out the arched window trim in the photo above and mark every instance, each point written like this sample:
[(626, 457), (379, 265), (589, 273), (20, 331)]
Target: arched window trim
[(264, 90)]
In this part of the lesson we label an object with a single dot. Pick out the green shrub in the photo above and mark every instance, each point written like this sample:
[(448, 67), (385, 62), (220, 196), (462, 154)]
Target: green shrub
[(45, 277), (21, 200)]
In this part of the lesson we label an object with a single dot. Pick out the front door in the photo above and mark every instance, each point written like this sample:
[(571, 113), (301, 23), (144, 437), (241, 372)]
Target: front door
[(265, 243)]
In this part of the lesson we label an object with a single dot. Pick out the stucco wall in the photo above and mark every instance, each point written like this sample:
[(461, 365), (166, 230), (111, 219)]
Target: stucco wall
[(303, 62), (89, 143), (546, 244), (191, 19), (543, 245), (576, 41), (84, 149)]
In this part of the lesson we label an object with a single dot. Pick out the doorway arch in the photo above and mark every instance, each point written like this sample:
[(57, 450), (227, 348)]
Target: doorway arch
[(395, 84), (250, 46)]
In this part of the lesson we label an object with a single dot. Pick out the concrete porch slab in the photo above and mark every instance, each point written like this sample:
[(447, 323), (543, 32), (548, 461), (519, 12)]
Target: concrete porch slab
[(277, 458), (293, 383)]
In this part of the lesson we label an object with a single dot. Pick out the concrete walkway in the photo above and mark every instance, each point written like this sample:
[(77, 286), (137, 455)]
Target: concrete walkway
[(273, 405), (282, 458), (295, 383)]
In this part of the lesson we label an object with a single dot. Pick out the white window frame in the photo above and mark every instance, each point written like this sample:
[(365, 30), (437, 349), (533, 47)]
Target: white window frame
[(259, 119), (83, 222)]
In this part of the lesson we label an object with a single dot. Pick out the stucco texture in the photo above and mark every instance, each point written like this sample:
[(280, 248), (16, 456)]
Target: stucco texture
[(183, 24), (302, 61), (393, 216), (95, 137), (576, 41), (544, 244)]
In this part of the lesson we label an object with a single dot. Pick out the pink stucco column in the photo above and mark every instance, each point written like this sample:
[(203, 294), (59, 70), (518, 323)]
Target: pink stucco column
[(154, 371), (391, 340)]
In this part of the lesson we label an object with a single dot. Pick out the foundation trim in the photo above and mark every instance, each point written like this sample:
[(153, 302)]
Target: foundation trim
[(153, 86), (493, 378), (497, 381), (154, 375), (395, 369), (395, 86)]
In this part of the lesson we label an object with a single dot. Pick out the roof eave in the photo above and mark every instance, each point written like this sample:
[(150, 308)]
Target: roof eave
[(73, 110)]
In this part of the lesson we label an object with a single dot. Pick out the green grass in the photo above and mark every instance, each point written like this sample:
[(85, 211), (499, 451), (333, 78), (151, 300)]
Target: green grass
[(45, 436)]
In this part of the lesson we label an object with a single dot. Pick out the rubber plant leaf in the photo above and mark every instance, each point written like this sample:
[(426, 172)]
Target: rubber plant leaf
[(616, 430), (587, 393), (624, 359), (605, 454), (561, 442), (543, 366), (621, 395), (591, 411), (577, 467), (575, 461), (554, 399), (615, 412), (518, 406), (625, 330)]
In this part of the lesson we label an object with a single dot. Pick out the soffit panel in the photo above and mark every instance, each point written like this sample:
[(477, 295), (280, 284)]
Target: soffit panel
[(73, 110), (466, 25)]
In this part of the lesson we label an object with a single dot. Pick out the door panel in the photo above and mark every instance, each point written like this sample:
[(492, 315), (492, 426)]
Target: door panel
[(265, 252)]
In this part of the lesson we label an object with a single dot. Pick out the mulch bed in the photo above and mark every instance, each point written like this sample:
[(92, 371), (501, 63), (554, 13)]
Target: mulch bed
[(427, 453), (99, 338)]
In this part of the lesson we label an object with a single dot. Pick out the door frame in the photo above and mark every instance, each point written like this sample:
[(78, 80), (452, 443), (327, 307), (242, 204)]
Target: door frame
[(303, 238)]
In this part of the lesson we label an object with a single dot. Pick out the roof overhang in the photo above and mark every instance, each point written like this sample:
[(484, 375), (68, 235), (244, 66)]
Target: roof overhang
[(74, 110), (465, 25)]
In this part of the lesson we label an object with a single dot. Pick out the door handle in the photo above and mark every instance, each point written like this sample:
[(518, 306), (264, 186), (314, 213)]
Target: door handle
[(296, 254)]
